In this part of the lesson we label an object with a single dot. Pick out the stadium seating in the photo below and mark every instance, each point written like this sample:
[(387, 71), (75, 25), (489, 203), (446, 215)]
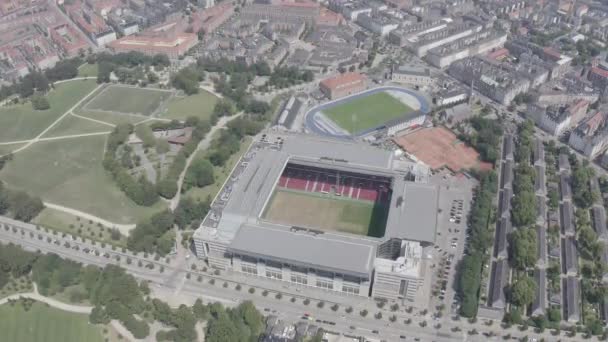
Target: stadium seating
[(325, 181)]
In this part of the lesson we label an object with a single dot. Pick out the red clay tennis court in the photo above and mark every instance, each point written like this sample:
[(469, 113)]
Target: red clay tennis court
[(438, 147)]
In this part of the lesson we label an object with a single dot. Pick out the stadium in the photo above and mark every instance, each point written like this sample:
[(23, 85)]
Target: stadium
[(385, 108), (323, 212)]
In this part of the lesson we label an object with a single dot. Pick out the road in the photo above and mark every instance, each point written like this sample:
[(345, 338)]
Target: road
[(170, 281)]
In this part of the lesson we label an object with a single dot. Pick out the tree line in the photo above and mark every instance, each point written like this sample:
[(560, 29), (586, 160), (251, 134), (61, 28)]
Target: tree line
[(476, 253), (116, 294), (130, 67)]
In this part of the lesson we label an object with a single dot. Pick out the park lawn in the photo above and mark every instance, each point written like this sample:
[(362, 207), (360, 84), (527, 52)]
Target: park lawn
[(6, 149), (22, 122), (46, 324), (367, 112), (128, 100), (199, 105), (67, 223), (71, 125), (220, 173), (88, 70), (69, 172)]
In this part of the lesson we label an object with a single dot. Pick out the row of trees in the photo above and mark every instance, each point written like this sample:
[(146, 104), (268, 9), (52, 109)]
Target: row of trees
[(130, 67), (582, 173), (469, 276), (37, 81), (522, 242), (19, 204), (523, 212)]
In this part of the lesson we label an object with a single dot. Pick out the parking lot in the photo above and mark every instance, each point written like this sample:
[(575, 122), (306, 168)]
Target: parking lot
[(454, 206)]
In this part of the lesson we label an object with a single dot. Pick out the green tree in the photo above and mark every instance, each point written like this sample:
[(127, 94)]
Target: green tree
[(522, 291), (40, 102), (523, 248)]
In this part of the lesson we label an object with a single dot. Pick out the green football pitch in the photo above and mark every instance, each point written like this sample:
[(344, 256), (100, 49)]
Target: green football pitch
[(367, 112), (327, 212)]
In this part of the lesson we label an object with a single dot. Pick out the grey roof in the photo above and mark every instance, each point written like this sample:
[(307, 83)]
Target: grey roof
[(504, 201), (571, 299), (414, 71), (503, 228), (604, 310), (569, 256), (352, 256), (567, 217), (599, 222), (564, 163), (564, 185), (507, 147), (540, 300), (541, 244), (498, 281), (540, 180), (506, 174), (416, 218), (541, 209), (539, 151)]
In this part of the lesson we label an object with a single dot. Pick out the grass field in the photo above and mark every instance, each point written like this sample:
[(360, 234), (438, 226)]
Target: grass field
[(220, 173), (6, 149), (22, 122), (64, 222), (69, 172), (44, 324), (128, 100), (88, 70), (70, 125), (326, 212), (199, 105), (367, 112)]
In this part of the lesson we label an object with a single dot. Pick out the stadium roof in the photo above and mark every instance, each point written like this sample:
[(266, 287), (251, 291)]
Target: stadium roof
[(306, 249), (413, 213)]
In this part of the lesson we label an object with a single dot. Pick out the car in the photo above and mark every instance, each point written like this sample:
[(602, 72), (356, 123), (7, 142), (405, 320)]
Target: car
[(403, 337), (352, 327), (375, 332), (266, 309)]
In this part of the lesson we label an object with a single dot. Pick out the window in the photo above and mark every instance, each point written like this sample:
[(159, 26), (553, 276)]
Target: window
[(251, 269), (274, 274), (325, 283), (350, 289), (403, 287), (299, 278)]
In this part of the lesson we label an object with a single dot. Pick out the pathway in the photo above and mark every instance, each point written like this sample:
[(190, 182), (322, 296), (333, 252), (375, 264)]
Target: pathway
[(79, 309), (76, 79), (123, 228), (203, 144), (50, 301), (210, 89), (37, 138)]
